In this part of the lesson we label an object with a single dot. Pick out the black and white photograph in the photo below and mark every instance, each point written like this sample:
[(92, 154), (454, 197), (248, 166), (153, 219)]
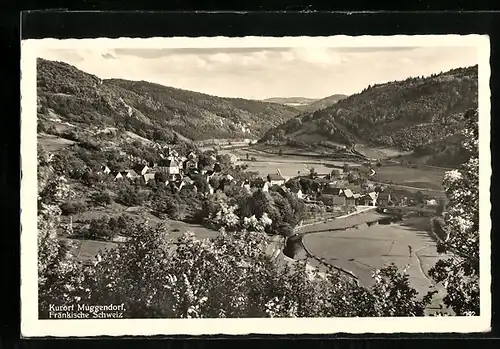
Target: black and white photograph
[(255, 185)]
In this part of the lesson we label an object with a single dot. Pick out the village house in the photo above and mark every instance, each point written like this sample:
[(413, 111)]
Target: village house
[(233, 158), (148, 177), (357, 198), (369, 199), (399, 200), (116, 175), (171, 153), (297, 192), (431, 203), (333, 196), (130, 174), (141, 169), (341, 183), (384, 199), (169, 167), (284, 190), (189, 165), (188, 187), (227, 178), (260, 184), (275, 179), (104, 169), (246, 184), (349, 197)]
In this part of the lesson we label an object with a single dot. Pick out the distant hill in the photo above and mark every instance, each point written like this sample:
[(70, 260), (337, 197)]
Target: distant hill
[(322, 103), (307, 104), (407, 114), (149, 110), (291, 101)]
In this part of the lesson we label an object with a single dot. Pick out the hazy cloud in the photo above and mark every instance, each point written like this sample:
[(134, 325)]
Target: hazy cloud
[(108, 56), (254, 72)]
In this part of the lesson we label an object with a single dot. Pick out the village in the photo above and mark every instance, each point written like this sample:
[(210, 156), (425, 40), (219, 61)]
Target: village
[(333, 190)]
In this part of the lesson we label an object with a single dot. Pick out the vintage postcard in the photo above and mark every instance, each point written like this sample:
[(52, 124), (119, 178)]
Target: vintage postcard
[(255, 185)]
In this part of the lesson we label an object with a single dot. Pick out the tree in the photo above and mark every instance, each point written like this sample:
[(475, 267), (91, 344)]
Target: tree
[(72, 207), (293, 185), (175, 139), (231, 276), (312, 173), (103, 198), (335, 173), (419, 197), (56, 273), (347, 168), (130, 195), (204, 160), (460, 273)]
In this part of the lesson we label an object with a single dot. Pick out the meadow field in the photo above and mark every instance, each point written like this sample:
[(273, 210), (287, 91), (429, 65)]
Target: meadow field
[(427, 178), (289, 165), (363, 249)]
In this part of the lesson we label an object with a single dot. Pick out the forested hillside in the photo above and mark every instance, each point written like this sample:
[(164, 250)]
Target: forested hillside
[(405, 114), (149, 110)]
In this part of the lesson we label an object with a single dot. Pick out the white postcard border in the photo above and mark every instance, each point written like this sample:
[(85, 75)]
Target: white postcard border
[(31, 326)]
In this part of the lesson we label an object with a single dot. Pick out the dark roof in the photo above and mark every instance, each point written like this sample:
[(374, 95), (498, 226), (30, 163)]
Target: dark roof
[(384, 195), (275, 177), (331, 191), (372, 195), (139, 167), (131, 172), (168, 163), (259, 183)]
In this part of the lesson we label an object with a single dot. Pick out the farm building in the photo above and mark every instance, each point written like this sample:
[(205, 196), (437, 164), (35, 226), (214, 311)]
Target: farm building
[(275, 179)]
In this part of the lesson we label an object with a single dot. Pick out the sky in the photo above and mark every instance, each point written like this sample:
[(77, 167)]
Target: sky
[(259, 73)]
